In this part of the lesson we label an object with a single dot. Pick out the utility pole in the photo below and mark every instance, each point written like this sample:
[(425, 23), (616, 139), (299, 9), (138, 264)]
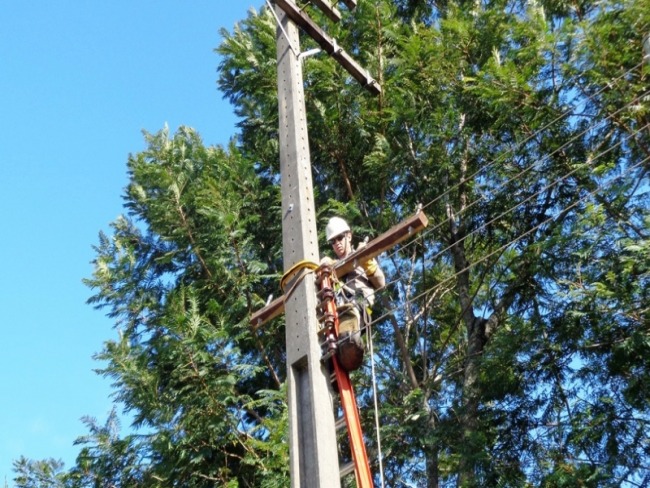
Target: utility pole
[(312, 434)]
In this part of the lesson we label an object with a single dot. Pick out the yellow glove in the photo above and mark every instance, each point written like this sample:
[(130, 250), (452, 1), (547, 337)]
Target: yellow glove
[(370, 267)]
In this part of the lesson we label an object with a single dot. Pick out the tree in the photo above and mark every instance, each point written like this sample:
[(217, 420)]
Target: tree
[(512, 339), (500, 118), (38, 474), (179, 276)]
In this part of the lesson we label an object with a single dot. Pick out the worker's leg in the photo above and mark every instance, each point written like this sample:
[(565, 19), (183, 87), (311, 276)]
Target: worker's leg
[(350, 347)]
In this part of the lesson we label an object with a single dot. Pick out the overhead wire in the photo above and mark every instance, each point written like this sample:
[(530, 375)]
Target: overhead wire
[(525, 170), (521, 173), (517, 238), (566, 113), (556, 182), (530, 197)]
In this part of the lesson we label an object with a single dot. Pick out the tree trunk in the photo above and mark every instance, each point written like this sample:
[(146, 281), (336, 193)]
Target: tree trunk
[(476, 341), (433, 474)]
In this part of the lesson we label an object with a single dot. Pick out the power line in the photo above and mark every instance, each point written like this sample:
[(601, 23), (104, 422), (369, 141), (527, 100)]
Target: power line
[(524, 171), (514, 240), (519, 175), (519, 204), (566, 113)]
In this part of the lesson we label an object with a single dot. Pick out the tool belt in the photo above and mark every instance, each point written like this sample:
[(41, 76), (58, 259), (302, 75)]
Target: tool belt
[(350, 291), (357, 306)]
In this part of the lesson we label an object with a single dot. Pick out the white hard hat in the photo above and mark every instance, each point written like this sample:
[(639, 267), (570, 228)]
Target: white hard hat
[(336, 226)]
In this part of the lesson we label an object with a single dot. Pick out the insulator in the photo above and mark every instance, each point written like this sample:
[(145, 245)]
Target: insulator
[(325, 271), (324, 291), (327, 319), (327, 295)]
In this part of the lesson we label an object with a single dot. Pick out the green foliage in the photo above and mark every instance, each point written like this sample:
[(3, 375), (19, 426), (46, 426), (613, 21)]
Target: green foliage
[(186, 367), (512, 340), (47, 473)]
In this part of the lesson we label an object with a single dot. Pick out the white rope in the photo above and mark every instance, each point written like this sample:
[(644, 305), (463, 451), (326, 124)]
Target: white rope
[(374, 393)]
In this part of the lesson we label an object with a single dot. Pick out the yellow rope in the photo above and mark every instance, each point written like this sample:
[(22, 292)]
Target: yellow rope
[(300, 265)]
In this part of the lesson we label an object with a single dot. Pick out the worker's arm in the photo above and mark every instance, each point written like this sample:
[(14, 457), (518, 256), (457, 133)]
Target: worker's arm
[(374, 273)]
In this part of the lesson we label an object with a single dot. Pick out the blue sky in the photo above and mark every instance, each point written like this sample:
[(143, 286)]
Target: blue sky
[(79, 81)]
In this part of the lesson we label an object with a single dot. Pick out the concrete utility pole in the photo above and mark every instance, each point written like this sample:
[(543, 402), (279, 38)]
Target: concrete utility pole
[(312, 434), (313, 448)]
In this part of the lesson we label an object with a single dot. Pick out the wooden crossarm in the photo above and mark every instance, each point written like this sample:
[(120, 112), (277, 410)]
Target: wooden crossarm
[(374, 248), (328, 9), (329, 45)]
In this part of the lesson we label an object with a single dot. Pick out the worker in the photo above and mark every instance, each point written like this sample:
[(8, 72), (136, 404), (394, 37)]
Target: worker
[(355, 294)]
